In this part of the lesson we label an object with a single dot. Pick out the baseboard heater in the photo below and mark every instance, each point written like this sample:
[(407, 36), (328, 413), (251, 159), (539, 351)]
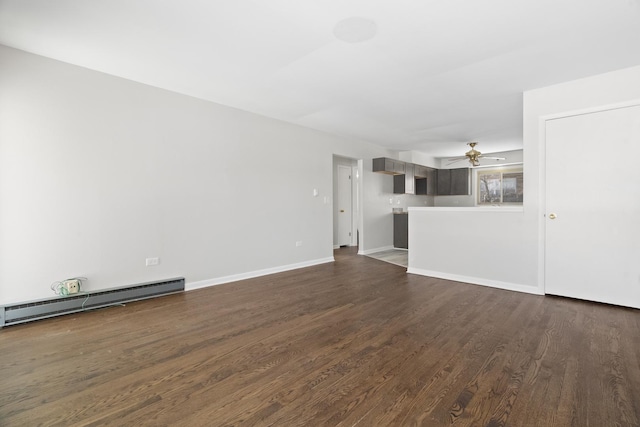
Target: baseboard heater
[(23, 312)]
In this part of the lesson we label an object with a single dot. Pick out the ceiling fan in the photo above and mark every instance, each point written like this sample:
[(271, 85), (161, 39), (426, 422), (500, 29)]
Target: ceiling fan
[(473, 156)]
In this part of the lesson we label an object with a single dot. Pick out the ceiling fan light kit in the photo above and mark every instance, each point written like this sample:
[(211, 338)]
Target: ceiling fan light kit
[(474, 156)]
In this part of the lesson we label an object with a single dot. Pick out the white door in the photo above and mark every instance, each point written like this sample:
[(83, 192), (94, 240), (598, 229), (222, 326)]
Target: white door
[(592, 224), (344, 205)]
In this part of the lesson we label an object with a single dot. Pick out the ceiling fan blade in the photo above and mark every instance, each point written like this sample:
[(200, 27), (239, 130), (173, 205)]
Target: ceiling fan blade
[(456, 160), (452, 159), (493, 158)]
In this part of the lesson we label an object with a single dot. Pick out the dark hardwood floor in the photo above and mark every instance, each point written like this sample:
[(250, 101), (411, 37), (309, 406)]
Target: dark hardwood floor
[(355, 342)]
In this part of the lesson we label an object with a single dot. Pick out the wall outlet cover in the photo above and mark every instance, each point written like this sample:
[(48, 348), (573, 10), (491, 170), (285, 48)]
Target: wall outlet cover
[(72, 286)]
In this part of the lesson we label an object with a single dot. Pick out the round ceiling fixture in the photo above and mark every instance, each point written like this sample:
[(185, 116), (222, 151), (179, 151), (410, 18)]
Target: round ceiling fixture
[(355, 30)]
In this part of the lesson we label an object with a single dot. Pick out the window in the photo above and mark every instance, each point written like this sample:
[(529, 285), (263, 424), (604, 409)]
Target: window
[(500, 186)]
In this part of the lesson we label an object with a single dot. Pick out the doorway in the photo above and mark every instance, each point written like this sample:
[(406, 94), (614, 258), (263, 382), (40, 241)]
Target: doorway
[(346, 190), (592, 207)]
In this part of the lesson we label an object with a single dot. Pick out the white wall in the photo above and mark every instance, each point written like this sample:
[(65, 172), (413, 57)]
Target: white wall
[(419, 158), (466, 236), (382, 200), (607, 89), (484, 246), (98, 173), (375, 201)]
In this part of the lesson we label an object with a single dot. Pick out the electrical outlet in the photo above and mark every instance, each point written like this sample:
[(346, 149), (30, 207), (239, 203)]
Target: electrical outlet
[(152, 261), (299, 243), (72, 286)]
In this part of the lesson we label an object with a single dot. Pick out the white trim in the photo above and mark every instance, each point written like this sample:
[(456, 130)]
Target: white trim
[(360, 201), (477, 281), (336, 247), (336, 204), (374, 250), (596, 109), (355, 183), (496, 165), (249, 275), (542, 170), (542, 200), (493, 209)]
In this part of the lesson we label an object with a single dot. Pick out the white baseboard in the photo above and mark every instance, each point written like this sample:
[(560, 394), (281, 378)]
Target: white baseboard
[(343, 246), (477, 281), (374, 250), (190, 286)]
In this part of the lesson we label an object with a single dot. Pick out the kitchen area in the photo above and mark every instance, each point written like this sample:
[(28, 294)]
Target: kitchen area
[(418, 180), (443, 230)]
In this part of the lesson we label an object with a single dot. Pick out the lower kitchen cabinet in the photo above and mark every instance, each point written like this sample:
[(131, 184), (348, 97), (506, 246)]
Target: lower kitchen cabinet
[(401, 230)]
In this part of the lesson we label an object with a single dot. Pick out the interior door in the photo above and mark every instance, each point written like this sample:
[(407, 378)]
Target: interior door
[(344, 206), (592, 224)]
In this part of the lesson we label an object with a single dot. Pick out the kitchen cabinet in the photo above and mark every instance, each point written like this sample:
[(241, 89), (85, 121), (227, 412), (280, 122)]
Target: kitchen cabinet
[(389, 166), (405, 184), (454, 182), (408, 178), (421, 171), (401, 230), (426, 181)]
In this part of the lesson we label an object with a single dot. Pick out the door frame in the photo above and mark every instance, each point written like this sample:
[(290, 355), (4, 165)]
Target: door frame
[(350, 188), (357, 215), (542, 178)]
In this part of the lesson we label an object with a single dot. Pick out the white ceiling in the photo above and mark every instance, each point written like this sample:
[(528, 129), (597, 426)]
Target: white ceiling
[(437, 74)]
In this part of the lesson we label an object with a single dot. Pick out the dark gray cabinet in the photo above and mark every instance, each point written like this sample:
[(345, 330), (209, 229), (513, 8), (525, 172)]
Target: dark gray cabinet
[(408, 178), (405, 184), (454, 182), (388, 166), (427, 181), (460, 181), (421, 171), (401, 230)]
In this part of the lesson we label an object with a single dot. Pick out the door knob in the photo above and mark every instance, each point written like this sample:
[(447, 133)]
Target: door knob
[(342, 210), (552, 216)]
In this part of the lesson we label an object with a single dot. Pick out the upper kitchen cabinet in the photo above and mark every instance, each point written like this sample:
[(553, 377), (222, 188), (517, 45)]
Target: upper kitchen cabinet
[(426, 180), (389, 166), (421, 171), (409, 178), (454, 182), (405, 184)]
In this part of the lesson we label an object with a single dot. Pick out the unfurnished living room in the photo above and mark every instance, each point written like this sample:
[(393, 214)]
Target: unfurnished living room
[(319, 213)]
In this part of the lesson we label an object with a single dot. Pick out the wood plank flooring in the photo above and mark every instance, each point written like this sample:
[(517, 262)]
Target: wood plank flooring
[(357, 342)]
